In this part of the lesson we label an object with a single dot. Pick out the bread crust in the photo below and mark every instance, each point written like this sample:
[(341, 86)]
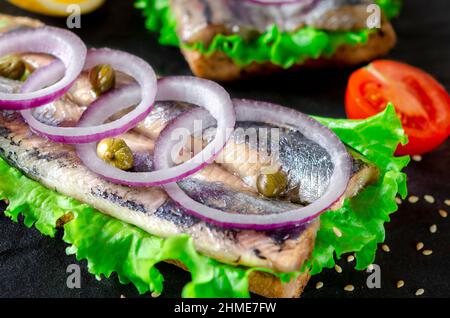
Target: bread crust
[(219, 67), (268, 285)]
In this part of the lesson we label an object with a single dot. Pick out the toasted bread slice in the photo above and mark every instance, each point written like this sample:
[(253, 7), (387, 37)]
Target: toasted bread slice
[(218, 66), (270, 286)]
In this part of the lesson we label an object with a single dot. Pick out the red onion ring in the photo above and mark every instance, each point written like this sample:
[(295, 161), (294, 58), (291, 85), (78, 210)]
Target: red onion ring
[(54, 71), (273, 114), (120, 61), (62, 44), (204, 93)]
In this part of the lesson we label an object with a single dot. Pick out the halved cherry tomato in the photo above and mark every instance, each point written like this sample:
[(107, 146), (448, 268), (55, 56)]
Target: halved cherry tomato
[(422, 104)]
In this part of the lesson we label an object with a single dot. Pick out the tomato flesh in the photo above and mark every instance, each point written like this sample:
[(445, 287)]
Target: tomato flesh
[(422, 104)]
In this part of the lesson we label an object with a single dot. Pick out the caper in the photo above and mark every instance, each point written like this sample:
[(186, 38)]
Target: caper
[(272, 184), (12, 67), (115, 152), (102, 78)]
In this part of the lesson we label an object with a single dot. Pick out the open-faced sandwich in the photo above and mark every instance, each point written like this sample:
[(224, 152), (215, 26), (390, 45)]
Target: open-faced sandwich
[(230, 39), (254, 197)]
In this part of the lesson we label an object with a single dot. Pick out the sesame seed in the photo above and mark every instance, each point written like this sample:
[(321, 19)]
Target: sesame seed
[(429, 198), (349, 288), (443, 213), (433, 228), (385, 248), (337, 231), (122, 296), (319, 285), (400, 284), (350, 258), (420, 292), (447, 202), (338, 268), (419, 246), (427, 252), (370, 267), (398, 200), (413, 199), (155, 294), (417, 158)]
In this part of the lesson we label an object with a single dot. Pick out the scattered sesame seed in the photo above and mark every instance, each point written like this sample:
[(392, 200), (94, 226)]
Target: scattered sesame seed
[(155, 294), (429, 198), (419, 246), (427, 252), (443, 213), (420, 292), (370, 267), (349, 288), (337, 231), (319, 285), (122, 296), (447, 202), (398, 200), (433, 228), (385, 248), (417, 158), (400, 284), (350, 258), (338, 268), (413, 199)]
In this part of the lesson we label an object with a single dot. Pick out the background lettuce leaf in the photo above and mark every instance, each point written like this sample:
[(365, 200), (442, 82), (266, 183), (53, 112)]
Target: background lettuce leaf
[(280, 48), (391, 8), (110, 245)]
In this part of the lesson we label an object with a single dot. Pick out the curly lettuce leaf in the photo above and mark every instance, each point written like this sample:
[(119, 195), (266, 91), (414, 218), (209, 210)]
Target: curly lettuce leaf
[(361, 219), (110, 245), (39, 206), (159, 18), (391, 8), (280, 48)]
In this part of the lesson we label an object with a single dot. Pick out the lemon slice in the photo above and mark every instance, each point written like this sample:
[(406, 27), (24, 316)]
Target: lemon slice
[(57, 7)]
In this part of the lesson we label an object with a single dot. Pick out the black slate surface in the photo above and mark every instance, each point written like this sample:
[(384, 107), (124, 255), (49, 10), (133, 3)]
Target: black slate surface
[(35, 266)]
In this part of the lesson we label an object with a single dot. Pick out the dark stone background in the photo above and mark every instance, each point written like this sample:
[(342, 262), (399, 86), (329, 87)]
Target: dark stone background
[(35, 266)]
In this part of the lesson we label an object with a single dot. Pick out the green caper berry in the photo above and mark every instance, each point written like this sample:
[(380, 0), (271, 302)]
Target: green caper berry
[(115, 152), (271, 185), (12, 67), (102, 78)]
